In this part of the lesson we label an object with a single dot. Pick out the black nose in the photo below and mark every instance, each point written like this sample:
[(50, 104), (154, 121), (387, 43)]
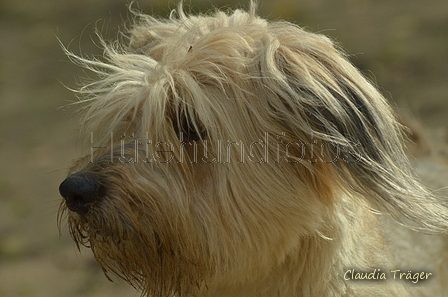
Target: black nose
[(79, 191)]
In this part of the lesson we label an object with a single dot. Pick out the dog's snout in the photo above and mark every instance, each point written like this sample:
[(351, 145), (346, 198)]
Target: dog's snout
[(80, 191)]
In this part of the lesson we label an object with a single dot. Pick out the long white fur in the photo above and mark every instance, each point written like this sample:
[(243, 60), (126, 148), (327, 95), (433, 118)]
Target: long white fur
[(270, 229)]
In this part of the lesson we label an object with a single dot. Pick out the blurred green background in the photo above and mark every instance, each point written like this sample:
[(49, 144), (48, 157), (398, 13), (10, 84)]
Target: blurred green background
[(402, 45)]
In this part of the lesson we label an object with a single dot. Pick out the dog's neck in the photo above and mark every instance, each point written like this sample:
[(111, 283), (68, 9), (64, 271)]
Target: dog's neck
[(318, 265)]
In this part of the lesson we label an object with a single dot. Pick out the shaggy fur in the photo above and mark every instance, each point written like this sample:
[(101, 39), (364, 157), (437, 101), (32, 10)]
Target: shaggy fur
[(247, 158)]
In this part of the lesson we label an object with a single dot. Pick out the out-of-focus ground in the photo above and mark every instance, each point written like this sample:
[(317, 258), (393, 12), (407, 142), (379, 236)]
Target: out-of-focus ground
[(402, 45)]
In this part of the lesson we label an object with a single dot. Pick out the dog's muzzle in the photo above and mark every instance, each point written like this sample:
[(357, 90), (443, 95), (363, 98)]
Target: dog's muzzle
[(80, 190)]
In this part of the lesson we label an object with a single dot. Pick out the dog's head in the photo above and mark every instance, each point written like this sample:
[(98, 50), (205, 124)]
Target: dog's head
[(222, 141)]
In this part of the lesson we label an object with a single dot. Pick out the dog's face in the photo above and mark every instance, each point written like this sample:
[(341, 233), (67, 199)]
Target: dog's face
[(222, 142)]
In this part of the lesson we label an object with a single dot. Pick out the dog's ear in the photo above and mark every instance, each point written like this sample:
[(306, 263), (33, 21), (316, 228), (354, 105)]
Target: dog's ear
[(326, 100)]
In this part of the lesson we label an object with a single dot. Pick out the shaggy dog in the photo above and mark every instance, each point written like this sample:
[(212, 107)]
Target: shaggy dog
[(232, 156)]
